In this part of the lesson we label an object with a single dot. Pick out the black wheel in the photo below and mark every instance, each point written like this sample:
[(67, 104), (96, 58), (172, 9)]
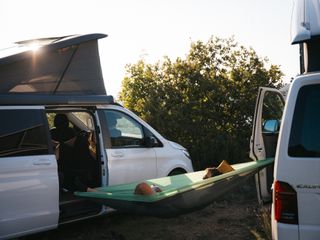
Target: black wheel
[(177, 172)]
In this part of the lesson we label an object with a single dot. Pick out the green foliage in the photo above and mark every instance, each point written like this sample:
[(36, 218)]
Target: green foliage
[(205, 101), (50, 117)]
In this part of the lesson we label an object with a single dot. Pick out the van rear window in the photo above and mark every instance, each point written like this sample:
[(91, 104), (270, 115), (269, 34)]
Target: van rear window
[(22, 133), (305, 131)]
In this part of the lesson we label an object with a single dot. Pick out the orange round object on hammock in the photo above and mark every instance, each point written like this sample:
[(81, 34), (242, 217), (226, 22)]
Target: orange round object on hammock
[(143, 189)]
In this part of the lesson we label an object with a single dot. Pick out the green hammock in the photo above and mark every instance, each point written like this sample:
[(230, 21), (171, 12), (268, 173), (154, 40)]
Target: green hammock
[(180, 194)]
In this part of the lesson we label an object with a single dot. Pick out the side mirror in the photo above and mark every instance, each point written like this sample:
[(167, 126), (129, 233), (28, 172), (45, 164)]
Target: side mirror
[(150, 141), (271, 126)]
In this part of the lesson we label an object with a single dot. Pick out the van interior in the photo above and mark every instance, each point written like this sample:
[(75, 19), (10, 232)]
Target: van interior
[(74, 140)]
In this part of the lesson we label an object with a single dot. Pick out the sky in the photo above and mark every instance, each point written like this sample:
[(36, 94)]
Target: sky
[(151, 29)]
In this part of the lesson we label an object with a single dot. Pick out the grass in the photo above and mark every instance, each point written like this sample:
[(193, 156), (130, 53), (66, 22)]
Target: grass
[(265, 220)]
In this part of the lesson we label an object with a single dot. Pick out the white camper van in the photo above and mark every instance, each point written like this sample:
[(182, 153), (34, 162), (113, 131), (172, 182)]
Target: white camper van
[(60, 132), (292, 138)]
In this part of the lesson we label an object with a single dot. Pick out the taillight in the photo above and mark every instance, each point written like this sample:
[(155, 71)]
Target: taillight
[(285, 203)]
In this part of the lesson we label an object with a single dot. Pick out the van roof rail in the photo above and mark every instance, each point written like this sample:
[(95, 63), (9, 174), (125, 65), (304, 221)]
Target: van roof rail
[(49, 100)]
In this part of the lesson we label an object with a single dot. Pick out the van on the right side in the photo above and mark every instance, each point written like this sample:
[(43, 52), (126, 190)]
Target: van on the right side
[(292, 186)]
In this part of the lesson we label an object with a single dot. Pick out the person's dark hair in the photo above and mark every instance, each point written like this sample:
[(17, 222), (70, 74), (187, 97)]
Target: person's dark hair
[(61, 121)]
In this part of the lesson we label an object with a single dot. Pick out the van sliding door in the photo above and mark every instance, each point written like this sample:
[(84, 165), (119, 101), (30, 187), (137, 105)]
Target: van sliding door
[(29, 193)]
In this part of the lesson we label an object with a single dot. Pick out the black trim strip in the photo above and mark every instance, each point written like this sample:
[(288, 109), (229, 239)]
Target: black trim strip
[(47, 100)]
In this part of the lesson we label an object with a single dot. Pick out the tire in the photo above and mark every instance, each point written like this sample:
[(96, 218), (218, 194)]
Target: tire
[(176, 172)]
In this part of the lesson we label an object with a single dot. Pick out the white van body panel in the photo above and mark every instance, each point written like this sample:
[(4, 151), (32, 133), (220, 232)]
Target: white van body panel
[(29, 195), (284, 231), (172, 156), (130, 165), (301, 173)]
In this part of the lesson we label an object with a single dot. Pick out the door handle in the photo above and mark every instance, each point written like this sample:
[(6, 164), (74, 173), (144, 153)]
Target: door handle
[(117, 154), (42, 162)]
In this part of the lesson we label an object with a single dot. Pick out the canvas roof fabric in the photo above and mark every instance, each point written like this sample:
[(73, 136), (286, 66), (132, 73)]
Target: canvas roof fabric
[(63, 65)]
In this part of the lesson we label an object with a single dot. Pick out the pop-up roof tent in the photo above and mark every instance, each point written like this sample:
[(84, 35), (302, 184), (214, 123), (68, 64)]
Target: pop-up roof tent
[(67, 65), (305, 30)]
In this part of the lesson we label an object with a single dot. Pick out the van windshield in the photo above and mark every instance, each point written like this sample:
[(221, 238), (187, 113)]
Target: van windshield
[(305, 130)]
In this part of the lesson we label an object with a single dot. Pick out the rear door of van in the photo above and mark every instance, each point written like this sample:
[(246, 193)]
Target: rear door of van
[(264, 138), (29, 192)]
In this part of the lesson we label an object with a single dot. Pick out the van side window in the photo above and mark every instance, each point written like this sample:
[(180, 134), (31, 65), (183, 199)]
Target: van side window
[(271, 116), (23, 133), (123, 130), (305, 129), (272, 109)]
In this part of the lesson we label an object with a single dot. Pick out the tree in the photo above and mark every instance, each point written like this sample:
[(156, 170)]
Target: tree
[(205, 101)]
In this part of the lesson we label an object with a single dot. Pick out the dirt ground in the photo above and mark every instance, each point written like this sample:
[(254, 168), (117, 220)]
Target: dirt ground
[(234, 216)]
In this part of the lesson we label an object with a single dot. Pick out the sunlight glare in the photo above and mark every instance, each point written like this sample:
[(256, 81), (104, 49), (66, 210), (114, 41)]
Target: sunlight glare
[(34, 46)]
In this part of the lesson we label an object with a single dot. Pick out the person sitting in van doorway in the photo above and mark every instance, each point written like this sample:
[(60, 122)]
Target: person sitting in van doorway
[(62, 132), (70, 154)]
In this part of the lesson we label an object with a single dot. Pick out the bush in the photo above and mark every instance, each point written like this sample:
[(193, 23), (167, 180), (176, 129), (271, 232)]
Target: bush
[(205, 101)]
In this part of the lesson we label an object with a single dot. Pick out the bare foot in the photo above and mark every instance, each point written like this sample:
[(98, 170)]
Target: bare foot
[(91, 189)]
